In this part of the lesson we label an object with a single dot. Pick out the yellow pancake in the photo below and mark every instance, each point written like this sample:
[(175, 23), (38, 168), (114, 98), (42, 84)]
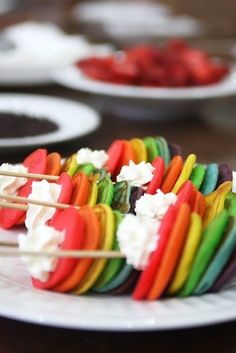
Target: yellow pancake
[(70, 165), (139, 149), (187, 257), (107, 224), (185, 173), (215, 202), (92, 200)]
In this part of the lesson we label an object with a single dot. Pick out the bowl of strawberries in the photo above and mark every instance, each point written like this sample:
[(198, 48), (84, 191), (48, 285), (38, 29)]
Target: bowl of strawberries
[(165, 80)]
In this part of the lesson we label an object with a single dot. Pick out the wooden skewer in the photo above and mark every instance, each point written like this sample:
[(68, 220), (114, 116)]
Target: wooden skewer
[(29, 175), (80, 254), (19, 199), (8, 243), (16, 206)]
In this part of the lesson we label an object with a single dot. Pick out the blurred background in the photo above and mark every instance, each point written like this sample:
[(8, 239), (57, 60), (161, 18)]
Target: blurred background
[(207, 24), (215, 19)]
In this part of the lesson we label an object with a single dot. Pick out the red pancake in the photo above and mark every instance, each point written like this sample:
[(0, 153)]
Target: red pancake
[(185, 194), (114, 156), (35, 163), (146, 278), (172, 252), (72, 223), (81, 189), (66, 189), (158, 174)]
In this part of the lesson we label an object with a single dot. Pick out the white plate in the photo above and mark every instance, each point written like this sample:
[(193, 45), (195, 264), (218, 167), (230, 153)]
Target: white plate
[(73, 78), (145, 103), (18, 300), (26, 77), (74, 119)]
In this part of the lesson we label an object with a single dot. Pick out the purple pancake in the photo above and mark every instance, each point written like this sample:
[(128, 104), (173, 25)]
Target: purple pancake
[(135, 195), (128, 285), (227, 275), (175, 150), (225, 173)]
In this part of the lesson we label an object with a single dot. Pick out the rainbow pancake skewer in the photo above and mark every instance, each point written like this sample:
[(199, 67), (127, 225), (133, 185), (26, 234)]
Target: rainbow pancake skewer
[(173, 218)]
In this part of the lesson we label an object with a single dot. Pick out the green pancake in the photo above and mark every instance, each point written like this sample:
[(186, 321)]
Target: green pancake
[(100, 174), (151, 147), (220, 259), (211, 239), (105, 191), (197, 175), (121, 198), (87, 169), (163, 149), (210, 179), (230, 203), (113, 266)]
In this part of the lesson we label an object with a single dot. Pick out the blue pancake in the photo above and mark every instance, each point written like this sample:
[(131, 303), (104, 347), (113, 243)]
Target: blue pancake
[(220, 259), (210, 180), (116, 282), (225, 173)]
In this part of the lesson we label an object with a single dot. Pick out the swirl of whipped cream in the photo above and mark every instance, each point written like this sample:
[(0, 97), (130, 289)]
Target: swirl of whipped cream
[(136, 174), (154, 206), (43, 238), (37, 215), (9, 184), (97, 158), (137, 238)]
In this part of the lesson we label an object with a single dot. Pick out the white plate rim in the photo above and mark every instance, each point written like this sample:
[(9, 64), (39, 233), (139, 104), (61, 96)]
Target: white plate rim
[(72, 77), (20, 301), (52, 107)]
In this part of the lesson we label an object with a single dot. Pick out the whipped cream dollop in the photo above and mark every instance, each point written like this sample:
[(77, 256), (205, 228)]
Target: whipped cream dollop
[(42, 238), (154, 206), (97, 157), (37, 215), (9, 184), (136, 174), (137, 238)]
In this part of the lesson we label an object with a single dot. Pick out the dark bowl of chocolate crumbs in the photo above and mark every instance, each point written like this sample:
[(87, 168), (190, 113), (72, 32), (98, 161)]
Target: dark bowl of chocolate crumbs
[(22, 125)]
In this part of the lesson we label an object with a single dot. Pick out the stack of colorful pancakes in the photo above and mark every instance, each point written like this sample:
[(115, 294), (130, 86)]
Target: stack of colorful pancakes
[(196, 247)]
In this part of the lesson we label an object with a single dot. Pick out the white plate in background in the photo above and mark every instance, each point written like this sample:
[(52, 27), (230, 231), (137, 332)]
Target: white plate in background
[(74, 119), (36, 49), (72, 77), (143, 102), (149, 19)]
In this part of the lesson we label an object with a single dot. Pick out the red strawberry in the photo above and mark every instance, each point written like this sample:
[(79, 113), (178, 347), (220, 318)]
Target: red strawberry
[(178, 75), (125, 71), (97, 68)]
